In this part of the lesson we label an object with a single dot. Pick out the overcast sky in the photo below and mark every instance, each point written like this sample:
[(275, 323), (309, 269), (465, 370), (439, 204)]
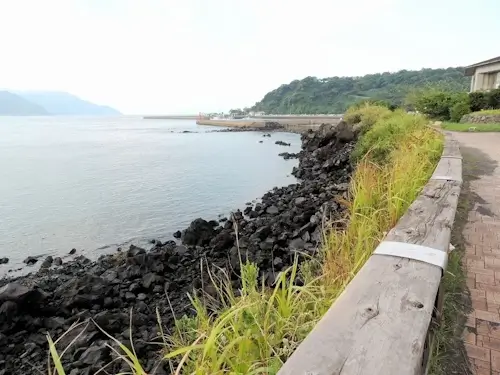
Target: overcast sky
[(190, 56)]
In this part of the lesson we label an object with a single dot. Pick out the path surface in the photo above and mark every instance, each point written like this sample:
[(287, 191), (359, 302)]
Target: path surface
[(482, 235)]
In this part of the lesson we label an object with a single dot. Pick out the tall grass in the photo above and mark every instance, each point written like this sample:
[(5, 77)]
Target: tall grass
[(366, 115), (255, 331), (381, 192)]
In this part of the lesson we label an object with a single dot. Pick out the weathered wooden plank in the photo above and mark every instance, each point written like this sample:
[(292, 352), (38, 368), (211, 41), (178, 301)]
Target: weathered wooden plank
[(450, 168), (380, 322), (362, 332)]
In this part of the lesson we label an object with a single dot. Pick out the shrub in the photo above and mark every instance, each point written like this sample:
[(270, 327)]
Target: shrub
[(493, 97), (434, 104), (481, 100), (367, 115), (478, 100), (437, 104), (458, 110), (385, 135), (371, 102)]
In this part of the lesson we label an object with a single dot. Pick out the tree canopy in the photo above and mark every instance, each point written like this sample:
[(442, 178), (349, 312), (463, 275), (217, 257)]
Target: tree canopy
[(333, 95)]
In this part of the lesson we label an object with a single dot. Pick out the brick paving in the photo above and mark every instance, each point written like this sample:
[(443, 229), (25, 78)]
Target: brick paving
[(482, 236)]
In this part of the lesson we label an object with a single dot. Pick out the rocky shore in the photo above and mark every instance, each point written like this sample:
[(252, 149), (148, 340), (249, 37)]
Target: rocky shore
[(286, 221)]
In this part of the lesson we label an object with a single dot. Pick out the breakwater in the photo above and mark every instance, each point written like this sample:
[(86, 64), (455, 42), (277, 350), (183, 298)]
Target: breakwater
[(293, 125)]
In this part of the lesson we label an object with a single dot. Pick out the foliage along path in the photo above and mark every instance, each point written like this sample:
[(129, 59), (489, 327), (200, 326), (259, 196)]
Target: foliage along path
[(482, 236)]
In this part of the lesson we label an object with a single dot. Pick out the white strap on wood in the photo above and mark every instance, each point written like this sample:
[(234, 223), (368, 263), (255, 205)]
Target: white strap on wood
[(447, 178), (411, 251)]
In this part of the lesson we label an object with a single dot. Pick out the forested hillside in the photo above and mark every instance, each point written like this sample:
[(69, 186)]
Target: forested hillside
[(335, 94)]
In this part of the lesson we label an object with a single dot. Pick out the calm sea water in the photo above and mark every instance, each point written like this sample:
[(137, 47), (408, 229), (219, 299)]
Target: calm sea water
[(98, 183)]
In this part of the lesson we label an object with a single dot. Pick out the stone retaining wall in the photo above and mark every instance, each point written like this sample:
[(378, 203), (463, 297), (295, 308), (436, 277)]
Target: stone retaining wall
[(478, 118)]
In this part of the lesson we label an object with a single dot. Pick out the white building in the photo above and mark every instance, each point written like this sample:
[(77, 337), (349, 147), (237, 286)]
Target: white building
[(485, 75)]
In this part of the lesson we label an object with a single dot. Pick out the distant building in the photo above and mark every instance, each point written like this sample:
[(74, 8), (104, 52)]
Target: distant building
[(485, 75)]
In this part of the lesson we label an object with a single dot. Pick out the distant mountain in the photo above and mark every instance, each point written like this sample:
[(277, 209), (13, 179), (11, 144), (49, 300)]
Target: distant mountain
[(62, 103), (15, 105)]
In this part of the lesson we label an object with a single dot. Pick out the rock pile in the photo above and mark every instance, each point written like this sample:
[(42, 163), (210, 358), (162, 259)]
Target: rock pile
[(289, 155), (281, 143), (285, 221)]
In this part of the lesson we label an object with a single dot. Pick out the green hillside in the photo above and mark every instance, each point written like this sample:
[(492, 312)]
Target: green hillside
[(14, 105), (335, 94)]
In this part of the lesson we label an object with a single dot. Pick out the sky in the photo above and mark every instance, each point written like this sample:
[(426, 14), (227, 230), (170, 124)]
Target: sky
[(191, 56)]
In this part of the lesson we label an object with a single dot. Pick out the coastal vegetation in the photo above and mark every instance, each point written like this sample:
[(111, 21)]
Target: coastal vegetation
[(313, 95), (452, 106), (254, 329)]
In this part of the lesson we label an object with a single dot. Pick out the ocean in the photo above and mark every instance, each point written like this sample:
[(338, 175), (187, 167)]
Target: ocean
[(96, 184)]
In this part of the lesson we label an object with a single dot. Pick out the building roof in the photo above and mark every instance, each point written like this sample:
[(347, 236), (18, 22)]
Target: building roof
[(469, 70)]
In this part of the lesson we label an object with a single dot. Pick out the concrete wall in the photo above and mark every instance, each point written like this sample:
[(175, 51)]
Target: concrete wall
[(486, 77), (479, 118), (289, 124)]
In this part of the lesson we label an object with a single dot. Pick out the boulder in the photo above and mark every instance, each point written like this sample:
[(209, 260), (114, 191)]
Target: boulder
[(135, 250), (129, 296), (8, 310), (299, 201), (94, 354), (150, 279), (288, 155), (272, 210), (30, 260), (4, 260), (224, 240), (20, 294), (47, 262), (262, 232), (297, 244), (199, 232), (281, 143)]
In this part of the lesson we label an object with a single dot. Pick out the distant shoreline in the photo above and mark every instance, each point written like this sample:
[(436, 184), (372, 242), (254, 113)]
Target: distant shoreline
[(188, 117)]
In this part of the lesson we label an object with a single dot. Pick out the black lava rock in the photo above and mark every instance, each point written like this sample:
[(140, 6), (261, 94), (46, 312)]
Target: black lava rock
[(30, 260)]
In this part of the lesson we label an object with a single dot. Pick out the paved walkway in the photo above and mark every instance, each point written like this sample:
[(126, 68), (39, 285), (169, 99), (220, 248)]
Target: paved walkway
[(481, 152)]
